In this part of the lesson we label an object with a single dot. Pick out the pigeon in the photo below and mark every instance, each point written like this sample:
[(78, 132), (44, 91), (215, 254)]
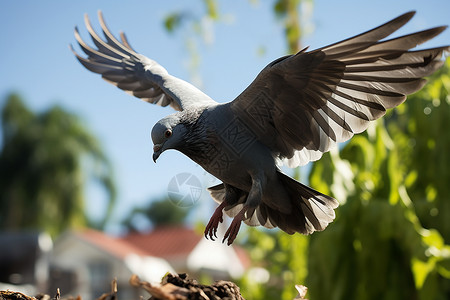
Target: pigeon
[(297, 108)]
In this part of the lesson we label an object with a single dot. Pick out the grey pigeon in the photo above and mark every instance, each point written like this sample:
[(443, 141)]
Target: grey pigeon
[(296, 109)]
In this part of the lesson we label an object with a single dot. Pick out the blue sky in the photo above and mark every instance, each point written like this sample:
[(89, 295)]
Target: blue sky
[(36, 62)]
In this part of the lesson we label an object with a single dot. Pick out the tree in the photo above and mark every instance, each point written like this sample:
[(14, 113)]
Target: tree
[(389, 237), (159, 213), (45, 161)]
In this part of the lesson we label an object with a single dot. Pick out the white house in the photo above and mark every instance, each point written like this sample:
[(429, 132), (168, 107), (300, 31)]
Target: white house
[(85, 262), (188, 251)]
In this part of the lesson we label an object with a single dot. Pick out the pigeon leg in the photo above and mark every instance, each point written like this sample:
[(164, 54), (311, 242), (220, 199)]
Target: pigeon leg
[(253, 200), (235, 225), (211, 228), (232, 195)]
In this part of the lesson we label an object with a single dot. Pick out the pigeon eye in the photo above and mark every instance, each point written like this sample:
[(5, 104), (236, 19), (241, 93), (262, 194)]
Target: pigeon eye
[(168, 133)]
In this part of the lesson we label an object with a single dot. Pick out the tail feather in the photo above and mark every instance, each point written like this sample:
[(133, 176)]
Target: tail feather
[(311, 210)]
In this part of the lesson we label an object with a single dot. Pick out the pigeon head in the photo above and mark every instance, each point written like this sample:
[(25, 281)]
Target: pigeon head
[(167, 134)]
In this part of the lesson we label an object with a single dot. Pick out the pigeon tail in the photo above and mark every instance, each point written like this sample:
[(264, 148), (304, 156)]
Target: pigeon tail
[(311, 210)]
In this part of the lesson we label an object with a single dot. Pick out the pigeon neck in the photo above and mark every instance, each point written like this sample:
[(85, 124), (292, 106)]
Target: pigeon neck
[(195, 139)]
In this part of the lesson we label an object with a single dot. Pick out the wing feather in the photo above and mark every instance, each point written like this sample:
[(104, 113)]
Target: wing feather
[(325, 96), (136, 74)]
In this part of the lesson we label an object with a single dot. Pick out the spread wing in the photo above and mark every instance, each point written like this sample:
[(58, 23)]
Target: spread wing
[(301, 105), (134, 73)]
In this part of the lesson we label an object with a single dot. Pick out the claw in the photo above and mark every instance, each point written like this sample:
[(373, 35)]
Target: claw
[(233, 230), (216, 219)]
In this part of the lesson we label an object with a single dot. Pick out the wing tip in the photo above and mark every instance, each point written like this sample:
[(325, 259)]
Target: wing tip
[(72, 49), (409, 14), (102, 20)]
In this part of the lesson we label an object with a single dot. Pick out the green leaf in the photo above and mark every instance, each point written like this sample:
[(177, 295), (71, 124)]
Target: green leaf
[(173, 21)]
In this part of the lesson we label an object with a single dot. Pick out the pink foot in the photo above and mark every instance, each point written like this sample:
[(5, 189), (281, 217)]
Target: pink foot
[(234, 227), (211, 228)]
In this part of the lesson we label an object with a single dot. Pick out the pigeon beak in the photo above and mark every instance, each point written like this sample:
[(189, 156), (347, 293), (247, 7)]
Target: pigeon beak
[(155, 156), (156, 151)]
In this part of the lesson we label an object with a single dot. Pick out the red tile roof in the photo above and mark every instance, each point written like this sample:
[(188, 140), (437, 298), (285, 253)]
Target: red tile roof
[(114, 246), (243, 256), (165, 242)]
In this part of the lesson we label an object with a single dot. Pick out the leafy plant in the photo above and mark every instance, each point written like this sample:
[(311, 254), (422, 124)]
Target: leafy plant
[(45, 161)]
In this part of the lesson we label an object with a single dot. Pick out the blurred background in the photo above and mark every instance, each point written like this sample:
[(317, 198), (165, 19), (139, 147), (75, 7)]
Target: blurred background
[(82, 200)]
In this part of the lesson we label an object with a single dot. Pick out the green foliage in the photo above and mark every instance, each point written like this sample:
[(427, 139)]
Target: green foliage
[(45, 161), (287, 10), (212, 9), (421, 130), (389, 238), (196, 30), (283, 256), (174, 21)]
